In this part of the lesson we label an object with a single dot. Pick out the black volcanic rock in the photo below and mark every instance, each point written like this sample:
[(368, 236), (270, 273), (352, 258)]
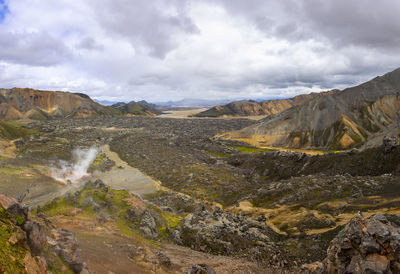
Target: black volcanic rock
[(364, 246)]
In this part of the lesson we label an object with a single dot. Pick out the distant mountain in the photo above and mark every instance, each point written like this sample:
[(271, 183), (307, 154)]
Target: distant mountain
[(341, 120), (141, 108), (22, 103), (192, 103), (253, 108), (105, 102)]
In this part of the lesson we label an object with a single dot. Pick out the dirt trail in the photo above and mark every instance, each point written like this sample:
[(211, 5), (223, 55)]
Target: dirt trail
[(105, 250)]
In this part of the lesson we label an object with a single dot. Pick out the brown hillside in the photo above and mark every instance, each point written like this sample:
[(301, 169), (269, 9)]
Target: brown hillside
[(341, 120)]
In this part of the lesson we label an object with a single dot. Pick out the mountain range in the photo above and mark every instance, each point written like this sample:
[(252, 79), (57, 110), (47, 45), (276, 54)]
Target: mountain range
[(349, 118), (254, 108), (26, 103)]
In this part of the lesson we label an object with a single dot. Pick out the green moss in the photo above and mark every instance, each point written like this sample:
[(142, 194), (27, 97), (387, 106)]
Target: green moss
[(19, 219), (11, 256), (55, 207), (99, 159), (38, 116), (219, 155), (171, 219), (13, 130), (98, 201), (55, 264), (250, 150), (163, 232)]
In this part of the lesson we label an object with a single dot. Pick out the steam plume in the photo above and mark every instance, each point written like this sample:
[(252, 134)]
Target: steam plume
[(71, 173)]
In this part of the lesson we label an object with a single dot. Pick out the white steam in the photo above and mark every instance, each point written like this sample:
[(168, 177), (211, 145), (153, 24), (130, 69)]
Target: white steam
[(72, 173)]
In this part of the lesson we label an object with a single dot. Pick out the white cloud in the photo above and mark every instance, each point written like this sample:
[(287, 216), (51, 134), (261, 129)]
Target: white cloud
[(173, 49)]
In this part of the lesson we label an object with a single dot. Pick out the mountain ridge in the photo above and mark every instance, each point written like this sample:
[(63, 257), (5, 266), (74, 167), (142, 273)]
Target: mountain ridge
[(254, 108), (27, 103), (344, 119)]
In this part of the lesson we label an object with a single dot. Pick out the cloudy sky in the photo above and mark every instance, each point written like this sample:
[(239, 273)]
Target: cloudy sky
[(159, 50)]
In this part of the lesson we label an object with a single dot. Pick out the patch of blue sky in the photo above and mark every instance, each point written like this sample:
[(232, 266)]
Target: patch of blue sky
[(3, 10)]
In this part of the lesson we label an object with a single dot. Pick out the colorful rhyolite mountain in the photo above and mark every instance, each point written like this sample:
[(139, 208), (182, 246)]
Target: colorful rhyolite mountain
[(352, 117), (21, 103), (253, 108)]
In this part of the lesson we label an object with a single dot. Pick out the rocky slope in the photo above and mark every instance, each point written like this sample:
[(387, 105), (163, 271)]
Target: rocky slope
[(345, 119), (252, 108), (33, 246), (25, 103)]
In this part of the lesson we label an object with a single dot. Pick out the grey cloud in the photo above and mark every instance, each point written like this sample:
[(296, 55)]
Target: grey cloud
[(89, 43), (152, 24), (37, 49), (268, 47), (367, 23)]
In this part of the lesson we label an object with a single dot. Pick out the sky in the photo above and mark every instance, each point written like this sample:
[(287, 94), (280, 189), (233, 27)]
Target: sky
[(160, 50)]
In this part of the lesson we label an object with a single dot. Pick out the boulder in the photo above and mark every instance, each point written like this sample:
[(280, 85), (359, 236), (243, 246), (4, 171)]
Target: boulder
[(364, 246), (163, 259), (36, 237), (389, 144), (13, 207), (200, 269), (66, 246), (148, 225)]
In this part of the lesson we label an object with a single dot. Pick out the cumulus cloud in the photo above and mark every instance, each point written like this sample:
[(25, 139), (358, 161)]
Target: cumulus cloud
[(37, 49), (152, 24), (173, 49)]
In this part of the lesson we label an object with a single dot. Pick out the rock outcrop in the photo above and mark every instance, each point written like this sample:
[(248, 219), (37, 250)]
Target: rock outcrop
[(341, 120), (200, 269), (223, 233), (364, 246), (26, 248)]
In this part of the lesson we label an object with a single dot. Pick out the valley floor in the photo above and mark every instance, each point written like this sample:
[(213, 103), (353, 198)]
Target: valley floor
[(164, 194)]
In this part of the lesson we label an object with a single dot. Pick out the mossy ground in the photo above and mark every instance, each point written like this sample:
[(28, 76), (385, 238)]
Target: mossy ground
[(11, 256), (13, 130), (113, 205), (248, 149)]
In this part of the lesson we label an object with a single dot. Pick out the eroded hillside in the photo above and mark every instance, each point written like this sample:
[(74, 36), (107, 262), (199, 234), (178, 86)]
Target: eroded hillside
[(350, 118), (252, 108), (25, 103)]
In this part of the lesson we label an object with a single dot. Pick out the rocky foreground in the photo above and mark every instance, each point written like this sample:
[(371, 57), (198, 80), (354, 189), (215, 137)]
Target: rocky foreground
[(230, 206), (363, 246), (33, 245)]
